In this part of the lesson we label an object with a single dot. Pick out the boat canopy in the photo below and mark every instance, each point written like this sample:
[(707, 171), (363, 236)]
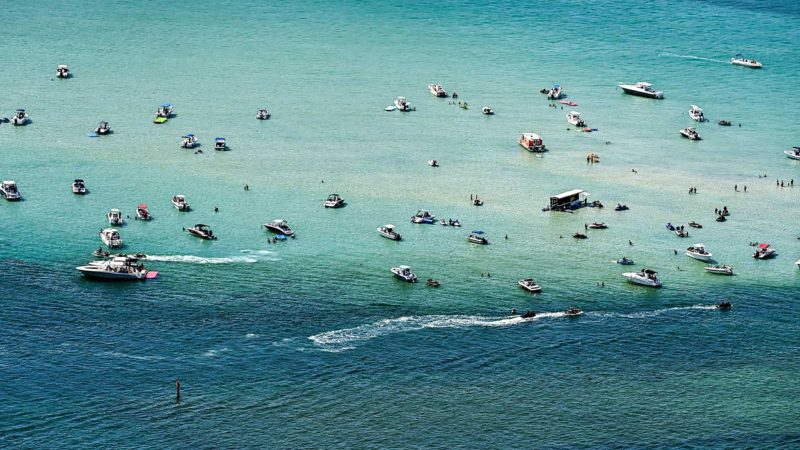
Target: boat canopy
[(166, 105), (643, 84), (575, 113), (739, 56), (78, 180), (763, 246), (62, 66), (649, 271), (389, 226), (142, 206), (568, 194), (219, 139), (404, 267), (200, 225)]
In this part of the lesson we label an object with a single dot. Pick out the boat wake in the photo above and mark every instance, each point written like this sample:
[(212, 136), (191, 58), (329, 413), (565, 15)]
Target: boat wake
[(675, 55), (251, 256)]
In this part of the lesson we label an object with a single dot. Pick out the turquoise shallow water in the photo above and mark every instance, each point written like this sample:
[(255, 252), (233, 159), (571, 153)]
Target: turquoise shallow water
[(311, 343)]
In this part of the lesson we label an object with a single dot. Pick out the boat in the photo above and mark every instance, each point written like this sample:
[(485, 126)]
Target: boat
[(334, 201), (103, 128), (202, 231), (78, 187), (670, 226), (724, 305), (621, 207), (115, 217), (189, 141), (696, 114), (119, 268), (262, 114), (402, 104), (555, 92), (62, 71), (794, 153), (573, 312), (180, 203), (142, 213), (698, 252), (20, 118), (567, 102), (694, 224), (165, 111), (100, 253), (476, 237), (528, 314), (433, 163), (764, 251), (279, 226), (9, 191), (597, 226), (220, 144), (432, 283), (725, 123), (532, 142), (740, 60), (477, 202), (110, 237), (437, 90), (455, 223), (691, 134), (580, 235), (529, 285), (574, 117), (680, 232), (645, 277), (388, 232), (641, 89), (404, 273), (718, 269), (487, 111), (625, 261), (423, 216)]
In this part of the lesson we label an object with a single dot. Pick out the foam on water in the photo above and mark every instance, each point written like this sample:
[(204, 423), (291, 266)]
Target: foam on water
[(693, 57), (253, 256)]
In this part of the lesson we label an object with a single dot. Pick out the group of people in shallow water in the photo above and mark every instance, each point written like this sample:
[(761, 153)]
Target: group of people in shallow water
[(693, 190)]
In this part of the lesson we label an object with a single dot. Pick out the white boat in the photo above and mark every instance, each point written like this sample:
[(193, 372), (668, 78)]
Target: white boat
[(641, 89), (388, 232), (645, 277), (691, 134), (574, 117), (262, 114), (118, 268), (597, 226), (279, 226), (794, 153), (103, 128), (180, 203), (334, 201), (698, 252), (402, 104), (797, 263), (78, 187), (423, 216), (9, 191), (20, 117), (718, 269), (142, 213), (115, 217), (165, 111), (110, 237), (437, 90), (529, 285), (189, 141), (764, 251), (696, 114), (740, 60), (532, 142), (404, 273), (476, 237), (555, 92), (62, 71), (487, 111), (202, 231), (220, 144)]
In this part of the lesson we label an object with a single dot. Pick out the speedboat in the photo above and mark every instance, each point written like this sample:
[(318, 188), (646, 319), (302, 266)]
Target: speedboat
[(9, 191), (718, 269), (115, 217), (724, 305), (180, 203), (625, 261), (574, 117), (529, 285), (120, 268), (573, 312), (641, 89), (794, 153), (680, 232), (621, 207), (694, 224), (437, 90), (691, 134), (423, 216), (279, 226), (433, 163), (487, 111), (62, 71), (262, 114), (476, 237), (579, 235), (696, 114), (532, 142), (20, 117), (142, 213), (388, 232), (698, 252), (645, 277), (402, 104), (78, 187), (528, 314), (404, 273), (103, 128), (110, 237), (740, 60), (202, 231), (334, 201), (189, 141), (555, 92), (597, 226), (220, 144), (764, 251), (165, 111)]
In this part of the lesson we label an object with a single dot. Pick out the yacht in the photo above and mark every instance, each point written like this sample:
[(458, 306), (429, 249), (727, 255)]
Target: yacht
[(423, 216), (118, 268), (142, 213), (718, 269), (597, 226), (794, 153), (334, 201), (165, 111), (220, 144), (532, 142), (573, 312), (644, 277), (189, 141), (202, 231), (476, 237), (764, 251), (20, 117), (696, 114), (402, 104), (487, 111), (437, 90), (262, 114), (555, 92), (180, 203), (641, 89), (78, 187), (279, 226), (529, 285), (698, 252), (404, 273), (388, 232), (691, 134), (103, 128), (740, 60), (574, 117), (115, 217), (110, 237), (62, 71), (9, 191)]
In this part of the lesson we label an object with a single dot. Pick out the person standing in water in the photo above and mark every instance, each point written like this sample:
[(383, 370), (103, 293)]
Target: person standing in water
[(177, 389)]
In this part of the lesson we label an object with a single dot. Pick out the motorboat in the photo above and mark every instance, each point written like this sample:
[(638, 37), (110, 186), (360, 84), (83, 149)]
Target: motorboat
[(443, 223), (334, 201), (20, 118), (180, 203), (142, 213), (719, 269), (725, 123), (580, 235), (528, 314), (437, 90), (555, 92), (279, 226), (641, 89), (477, 202), (433, 163), (476, 237), (532, 142), (529, 285), (165, 111), (573, 312), (644, 277), (625, 261), (574, 117), (432, 283), (389, 232), (454, 223), (402, 104), (691, 134), (100, 253), (220, 144), (696, 114), (621, 207), (694, 224), (404, 273), (740, 60), (78, 187), (670, 226), (680, 232), (794, 153), (9, 191), (764, 251), (597, 226), (262, 114), (423, 216), (62, 71), (110, 237), (724, 305), (487, 111), (699, 252), (189, 141), (120, 268), (202, 231), (115, 217), (103, 128)]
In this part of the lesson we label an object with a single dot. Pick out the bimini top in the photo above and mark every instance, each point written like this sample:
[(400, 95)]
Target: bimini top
[(78, 180), (188, 135), (219, 139), (556, 85), (142, 206), (763, 246), (404, 267), (575, 113), (200, 225), (389, 226), (643, 84), (166, 105), (62, 66), (570, 194), (649, 271)]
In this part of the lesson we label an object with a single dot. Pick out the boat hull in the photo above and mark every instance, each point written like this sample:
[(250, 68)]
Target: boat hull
[(645, 94), (97, 272)]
